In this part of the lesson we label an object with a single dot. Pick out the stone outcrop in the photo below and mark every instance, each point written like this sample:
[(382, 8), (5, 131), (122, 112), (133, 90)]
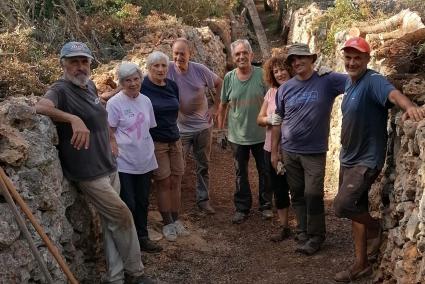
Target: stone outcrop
[(29, 157), (206, 47)]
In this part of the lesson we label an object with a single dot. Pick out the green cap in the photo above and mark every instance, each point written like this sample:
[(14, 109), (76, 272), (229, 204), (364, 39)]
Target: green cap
[(301, 49)]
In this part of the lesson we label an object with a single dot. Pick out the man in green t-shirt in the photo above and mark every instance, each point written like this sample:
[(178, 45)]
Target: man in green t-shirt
[(242, 95)]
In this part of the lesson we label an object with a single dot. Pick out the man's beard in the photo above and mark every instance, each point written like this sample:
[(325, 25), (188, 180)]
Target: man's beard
[(80, 80)]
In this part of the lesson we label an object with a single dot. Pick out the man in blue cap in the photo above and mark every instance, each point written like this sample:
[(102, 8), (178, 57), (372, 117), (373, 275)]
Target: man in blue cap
[(86, 159)]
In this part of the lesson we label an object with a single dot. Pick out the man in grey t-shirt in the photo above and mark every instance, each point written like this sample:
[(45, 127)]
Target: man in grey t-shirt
[(195, 115), (85, 152)]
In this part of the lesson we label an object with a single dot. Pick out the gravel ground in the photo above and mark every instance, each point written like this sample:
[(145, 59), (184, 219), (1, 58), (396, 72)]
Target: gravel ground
[(219, 252)]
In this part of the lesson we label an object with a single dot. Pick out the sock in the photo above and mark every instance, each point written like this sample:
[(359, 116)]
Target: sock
[(167, 218), (175, 216)]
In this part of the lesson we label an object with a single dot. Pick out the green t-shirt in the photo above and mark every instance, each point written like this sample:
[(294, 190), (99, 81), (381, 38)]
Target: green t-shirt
[(245, 99)]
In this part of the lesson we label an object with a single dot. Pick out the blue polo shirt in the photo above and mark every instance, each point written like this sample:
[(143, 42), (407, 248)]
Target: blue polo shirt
[(306, 106), (364, 121)]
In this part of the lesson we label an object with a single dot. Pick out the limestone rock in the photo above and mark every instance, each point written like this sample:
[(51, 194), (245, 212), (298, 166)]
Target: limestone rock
[(29, 157), (9, 229)]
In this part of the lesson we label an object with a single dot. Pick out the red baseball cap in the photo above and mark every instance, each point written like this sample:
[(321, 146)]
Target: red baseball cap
[(358, 43)]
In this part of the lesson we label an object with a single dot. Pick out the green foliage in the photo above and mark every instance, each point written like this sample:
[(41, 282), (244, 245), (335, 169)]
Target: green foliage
[(192, 12), (338, 18)]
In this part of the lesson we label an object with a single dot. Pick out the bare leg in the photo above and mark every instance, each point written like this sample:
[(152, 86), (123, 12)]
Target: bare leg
[(283, 216), (360, 246), (371, 224), (163, 193), (175, 194)]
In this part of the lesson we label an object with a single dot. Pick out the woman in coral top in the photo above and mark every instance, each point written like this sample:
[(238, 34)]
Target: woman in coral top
[(276, 72)]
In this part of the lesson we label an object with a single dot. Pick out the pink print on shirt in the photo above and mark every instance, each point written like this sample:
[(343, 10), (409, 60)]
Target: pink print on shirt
[(137, 125)]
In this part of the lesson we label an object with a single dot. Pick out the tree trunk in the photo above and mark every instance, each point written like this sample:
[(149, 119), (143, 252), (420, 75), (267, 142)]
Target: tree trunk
[(390, 24), (267, 7), (258, 27)]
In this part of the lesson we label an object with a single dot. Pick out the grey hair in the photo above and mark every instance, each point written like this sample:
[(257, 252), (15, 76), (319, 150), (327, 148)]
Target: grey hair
[(237, 42), (126, 69), (155, 57)]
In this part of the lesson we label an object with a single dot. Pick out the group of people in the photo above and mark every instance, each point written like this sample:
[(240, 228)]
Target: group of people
[(280, 113)]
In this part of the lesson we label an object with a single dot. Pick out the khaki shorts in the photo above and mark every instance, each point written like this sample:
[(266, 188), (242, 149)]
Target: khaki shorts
[(170, 159)]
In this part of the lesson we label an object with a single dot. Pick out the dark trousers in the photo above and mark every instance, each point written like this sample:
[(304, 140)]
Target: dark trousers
[(243, 195), (353, 193), (278, 184), (306, 175), (135, 190)]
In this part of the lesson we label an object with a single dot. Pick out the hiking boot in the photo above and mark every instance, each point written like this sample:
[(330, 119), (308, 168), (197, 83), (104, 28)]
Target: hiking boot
[(142, 279), (312, 246), (180, 229), (267, 214), (205, 206), (239, 217), (149, 246), (301, 238), (169, 232), (282, 235)]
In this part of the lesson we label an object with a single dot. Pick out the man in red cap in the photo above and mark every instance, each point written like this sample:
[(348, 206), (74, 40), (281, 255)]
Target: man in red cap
[(367, 98)]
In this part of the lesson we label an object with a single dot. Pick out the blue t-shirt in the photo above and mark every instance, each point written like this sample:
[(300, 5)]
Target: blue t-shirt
[(165, 103), (364, 121), (305, 107)]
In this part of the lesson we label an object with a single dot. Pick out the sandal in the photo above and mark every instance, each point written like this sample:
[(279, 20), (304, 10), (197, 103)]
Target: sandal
[(347, 276)]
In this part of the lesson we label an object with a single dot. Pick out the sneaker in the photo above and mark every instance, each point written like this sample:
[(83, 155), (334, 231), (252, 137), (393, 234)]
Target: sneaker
[(267, 214), (142, 279), (169, 232), (301, 238), (205, 206), (312, 246), (239, 217), (180, 229), (149, 246), (282, 235)]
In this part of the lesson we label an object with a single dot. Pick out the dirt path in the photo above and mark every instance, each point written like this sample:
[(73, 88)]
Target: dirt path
[(219, 252)]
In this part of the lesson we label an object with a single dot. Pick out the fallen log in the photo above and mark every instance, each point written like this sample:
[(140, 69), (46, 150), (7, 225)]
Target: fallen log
[(404, 22), (258, 27)]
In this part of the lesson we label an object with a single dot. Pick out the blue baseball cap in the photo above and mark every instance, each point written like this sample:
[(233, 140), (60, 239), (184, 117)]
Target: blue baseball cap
[(75, 48)]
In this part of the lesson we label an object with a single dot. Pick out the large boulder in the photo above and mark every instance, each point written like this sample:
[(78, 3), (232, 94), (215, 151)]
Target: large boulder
[(30, 159)]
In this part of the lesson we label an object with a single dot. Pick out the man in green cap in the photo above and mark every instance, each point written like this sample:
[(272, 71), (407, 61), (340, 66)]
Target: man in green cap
[(304, 105)]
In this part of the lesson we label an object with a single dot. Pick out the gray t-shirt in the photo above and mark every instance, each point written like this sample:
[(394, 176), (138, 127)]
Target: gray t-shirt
[(97, 160), (305, 107), (193, 85)]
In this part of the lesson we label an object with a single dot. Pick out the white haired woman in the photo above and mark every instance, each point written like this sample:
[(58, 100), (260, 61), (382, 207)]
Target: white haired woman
[(130, 116), (164, 95)]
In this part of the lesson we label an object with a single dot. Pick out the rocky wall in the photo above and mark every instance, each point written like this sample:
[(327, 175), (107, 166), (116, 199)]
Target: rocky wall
[(206, 47), (29, 157), (398, 198)]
